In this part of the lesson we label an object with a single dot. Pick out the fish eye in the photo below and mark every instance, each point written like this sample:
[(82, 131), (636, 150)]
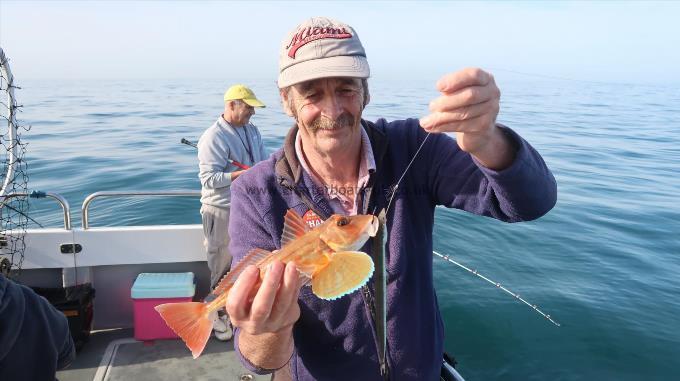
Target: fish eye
[(343, 221)]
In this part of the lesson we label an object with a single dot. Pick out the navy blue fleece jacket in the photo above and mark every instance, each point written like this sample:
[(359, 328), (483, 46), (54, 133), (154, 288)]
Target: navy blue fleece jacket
[(335, 340), (34, 337)]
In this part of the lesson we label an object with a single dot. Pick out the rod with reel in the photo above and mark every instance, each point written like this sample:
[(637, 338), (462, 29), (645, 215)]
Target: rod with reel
[(233, 162), (447, 258), (498, 285)]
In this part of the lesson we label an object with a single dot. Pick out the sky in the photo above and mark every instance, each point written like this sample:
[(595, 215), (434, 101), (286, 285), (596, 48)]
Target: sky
[(621, 42)]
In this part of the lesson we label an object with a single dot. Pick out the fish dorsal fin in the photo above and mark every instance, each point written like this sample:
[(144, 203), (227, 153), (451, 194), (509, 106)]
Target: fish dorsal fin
[(293, 227), (252, 258)]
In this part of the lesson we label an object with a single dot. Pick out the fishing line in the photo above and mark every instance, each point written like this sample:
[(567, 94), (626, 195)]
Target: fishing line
[(557, 78), (75, 261), (380, 276), (396, 186), (498, 285)]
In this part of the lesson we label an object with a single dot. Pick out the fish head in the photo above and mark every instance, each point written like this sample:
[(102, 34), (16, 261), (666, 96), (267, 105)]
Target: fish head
[(348, 233)]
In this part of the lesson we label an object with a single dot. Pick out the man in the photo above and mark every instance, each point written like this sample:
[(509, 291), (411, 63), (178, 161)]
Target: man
[(488, 170), (35, 340), (231, 138)]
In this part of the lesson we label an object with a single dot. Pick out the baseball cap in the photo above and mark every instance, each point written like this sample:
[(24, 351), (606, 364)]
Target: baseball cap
[(243, 93), (320, 48)]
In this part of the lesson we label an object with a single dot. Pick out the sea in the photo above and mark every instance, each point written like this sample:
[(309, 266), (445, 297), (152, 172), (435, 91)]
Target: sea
[(604, 263)]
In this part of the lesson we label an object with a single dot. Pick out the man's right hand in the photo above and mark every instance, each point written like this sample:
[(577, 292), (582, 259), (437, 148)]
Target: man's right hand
[(265, 313), (274, 305)]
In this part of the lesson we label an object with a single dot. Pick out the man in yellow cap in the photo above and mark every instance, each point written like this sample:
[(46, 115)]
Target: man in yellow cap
[(231, 144)]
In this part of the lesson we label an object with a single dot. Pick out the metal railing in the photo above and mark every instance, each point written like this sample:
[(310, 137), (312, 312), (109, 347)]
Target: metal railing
[(90, 198), (38, 194)]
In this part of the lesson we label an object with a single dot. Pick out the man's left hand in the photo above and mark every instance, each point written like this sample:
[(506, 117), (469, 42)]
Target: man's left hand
[(468, 106)]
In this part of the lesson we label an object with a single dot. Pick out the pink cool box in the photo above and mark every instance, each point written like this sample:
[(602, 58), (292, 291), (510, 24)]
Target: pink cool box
[(152, 289)]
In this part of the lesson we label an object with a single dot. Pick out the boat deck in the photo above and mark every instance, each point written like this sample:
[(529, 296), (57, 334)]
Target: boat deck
[(114, 355)]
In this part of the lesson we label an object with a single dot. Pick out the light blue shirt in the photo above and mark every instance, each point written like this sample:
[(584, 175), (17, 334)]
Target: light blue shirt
[(220, 142)]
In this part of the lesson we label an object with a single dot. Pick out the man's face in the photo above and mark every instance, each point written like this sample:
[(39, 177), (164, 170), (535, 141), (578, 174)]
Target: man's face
[(242, 113), (328, 113)]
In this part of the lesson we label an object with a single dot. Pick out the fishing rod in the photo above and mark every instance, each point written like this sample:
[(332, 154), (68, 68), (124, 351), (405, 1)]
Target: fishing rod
[(447, 258), (233, 162), (4, 205), (498, 285)]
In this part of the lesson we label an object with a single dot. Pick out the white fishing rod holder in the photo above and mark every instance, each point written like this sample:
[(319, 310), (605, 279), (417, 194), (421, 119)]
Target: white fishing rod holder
[(66, 208), (93, 196)]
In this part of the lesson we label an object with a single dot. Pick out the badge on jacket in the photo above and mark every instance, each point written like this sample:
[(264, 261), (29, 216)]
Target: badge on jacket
[(312, 219)]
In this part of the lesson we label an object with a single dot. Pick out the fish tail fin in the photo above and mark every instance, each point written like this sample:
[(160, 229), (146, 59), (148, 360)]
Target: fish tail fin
[(344, 274), (191, 321)]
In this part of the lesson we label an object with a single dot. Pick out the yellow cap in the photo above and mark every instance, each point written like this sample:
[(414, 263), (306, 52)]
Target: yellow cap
[(243, 93)]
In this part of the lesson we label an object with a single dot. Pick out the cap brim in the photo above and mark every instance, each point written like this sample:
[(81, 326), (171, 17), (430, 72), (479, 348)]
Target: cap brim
[(338, 66), (253, 102)]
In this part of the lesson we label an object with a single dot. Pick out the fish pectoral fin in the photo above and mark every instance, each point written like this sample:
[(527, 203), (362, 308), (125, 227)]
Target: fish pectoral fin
[(344, 274), (293, 227)]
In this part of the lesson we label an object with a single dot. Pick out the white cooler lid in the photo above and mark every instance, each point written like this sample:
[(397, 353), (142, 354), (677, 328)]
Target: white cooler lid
[(163, 285)]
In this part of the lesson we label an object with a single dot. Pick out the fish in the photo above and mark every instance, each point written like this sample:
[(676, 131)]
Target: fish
[(326, 257)]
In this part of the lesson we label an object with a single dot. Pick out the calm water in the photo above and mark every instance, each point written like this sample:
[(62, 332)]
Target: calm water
[(604, 262)]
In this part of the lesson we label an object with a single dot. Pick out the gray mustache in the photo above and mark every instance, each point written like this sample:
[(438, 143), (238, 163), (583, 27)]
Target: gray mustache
[(344, 120)]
